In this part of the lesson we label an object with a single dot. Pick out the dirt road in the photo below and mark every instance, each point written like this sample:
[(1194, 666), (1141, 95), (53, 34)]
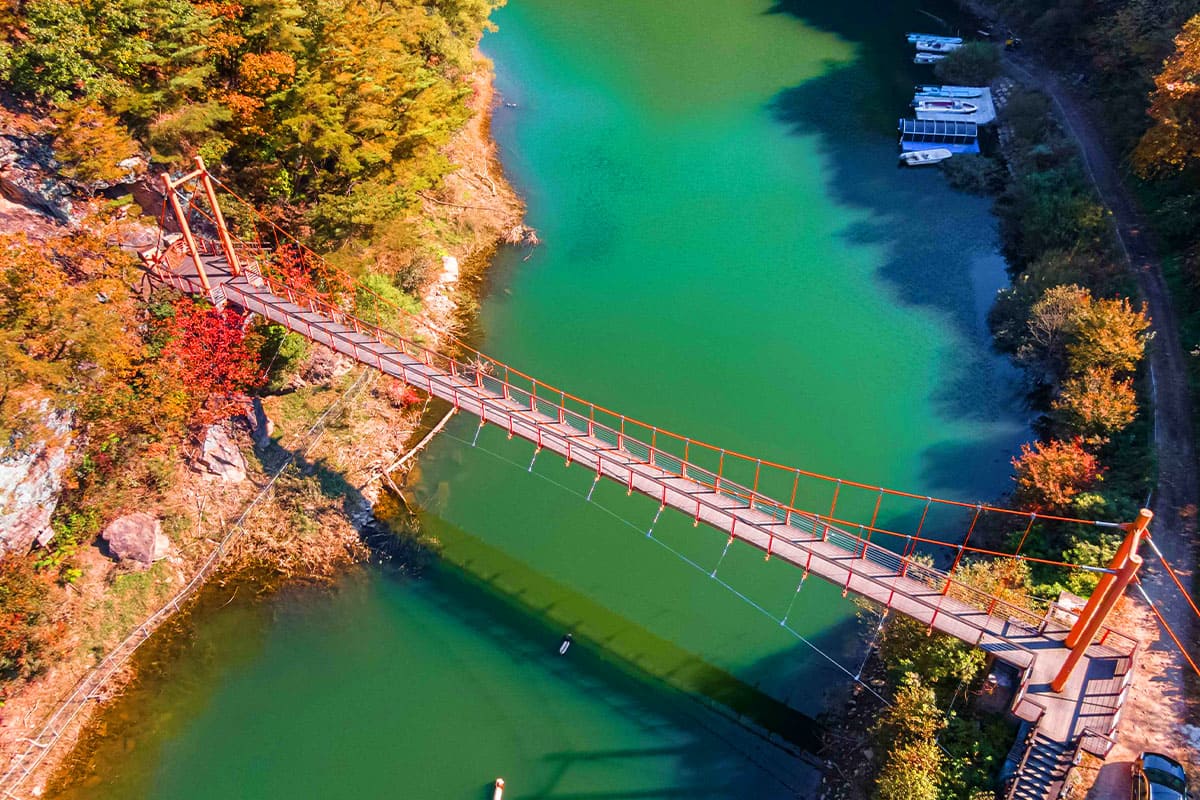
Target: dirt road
[(1158, 706)]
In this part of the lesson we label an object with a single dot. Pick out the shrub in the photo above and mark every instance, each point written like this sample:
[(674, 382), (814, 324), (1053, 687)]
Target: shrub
[(382, 303), (280, 355), (976, 174), (973, 64), (24, 634)]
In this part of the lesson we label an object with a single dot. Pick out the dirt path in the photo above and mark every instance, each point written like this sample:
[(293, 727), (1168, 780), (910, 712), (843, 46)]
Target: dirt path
[(1158, 707)]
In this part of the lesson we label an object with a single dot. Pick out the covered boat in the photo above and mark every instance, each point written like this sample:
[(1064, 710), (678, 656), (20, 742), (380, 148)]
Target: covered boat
[(954, 135), (928, 58)]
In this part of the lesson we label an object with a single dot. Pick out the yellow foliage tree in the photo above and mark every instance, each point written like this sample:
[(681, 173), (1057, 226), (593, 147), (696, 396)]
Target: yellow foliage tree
[(1173, 141), (91, 143)]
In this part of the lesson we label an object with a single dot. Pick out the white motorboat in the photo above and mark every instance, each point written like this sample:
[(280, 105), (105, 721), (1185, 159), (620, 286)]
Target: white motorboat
[(944, 105), (927, 46), (916, 158), (928, 58), (913, 38), (949, 91)]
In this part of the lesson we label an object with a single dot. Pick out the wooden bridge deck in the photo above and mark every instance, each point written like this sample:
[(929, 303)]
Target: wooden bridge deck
[(1031, 644)]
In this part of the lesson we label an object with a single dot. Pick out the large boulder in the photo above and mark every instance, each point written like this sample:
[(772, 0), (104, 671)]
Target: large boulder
[(30, 483), (137, 538), (220, 455)]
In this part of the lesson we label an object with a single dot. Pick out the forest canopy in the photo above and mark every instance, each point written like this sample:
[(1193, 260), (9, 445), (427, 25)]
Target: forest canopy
[(337, 105)]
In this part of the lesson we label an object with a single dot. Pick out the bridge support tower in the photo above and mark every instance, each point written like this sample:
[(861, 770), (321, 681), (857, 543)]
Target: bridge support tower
[(1122, 569), (218, 219)]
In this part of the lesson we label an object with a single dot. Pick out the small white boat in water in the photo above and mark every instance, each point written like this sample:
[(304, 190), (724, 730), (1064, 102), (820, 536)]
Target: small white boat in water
[(944, 105), (498, 791), (927, 46), (913, 38), (915, 158), (928, 58), (949, 91)]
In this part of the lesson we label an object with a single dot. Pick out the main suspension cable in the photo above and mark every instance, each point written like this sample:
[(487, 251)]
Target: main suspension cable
[(1186, 594), (1166, 626)]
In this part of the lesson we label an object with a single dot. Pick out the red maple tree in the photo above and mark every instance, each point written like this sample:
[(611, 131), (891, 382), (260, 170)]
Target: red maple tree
[(215, 359)]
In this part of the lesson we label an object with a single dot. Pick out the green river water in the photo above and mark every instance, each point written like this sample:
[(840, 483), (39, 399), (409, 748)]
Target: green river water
[(729, 251)]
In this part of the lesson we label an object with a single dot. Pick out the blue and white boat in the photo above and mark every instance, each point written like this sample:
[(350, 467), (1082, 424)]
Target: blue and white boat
[(913, 38), (949, 91)]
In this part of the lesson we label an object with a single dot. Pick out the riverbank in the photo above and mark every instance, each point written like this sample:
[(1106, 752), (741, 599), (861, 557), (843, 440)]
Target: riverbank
[(1164, 702), (311, 463)]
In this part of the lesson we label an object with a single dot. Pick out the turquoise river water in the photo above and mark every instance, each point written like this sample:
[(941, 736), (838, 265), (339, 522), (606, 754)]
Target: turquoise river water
[(729, 251)]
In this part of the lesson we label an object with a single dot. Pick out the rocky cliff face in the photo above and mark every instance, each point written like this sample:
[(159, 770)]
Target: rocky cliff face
[(29, 174), (30, 483)]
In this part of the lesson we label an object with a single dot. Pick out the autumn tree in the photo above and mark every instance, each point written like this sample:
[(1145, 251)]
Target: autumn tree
[(908, 729), (912, 772), (91, 143), (67, 324), (1173, 140), (1051, 474), (1096, 403), (1108, 334), (1051, 326), (1006, 579), (209, 350)]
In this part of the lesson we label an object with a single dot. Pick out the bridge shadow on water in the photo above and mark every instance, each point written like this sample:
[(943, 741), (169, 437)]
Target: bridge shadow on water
[(640, 677), (940, 250)]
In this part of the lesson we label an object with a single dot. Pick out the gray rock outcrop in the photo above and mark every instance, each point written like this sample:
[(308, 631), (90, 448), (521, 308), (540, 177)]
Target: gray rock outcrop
[(30, 483), (28, 176), (220, 455), (136, 538)]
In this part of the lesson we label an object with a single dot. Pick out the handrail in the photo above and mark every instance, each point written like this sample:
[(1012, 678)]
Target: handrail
[(688, 442), (1030, 738), (678, 465)]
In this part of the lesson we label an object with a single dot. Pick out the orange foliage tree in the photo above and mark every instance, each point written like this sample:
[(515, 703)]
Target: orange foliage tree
[(1051, 474), (1173, 141), (1096, 402)]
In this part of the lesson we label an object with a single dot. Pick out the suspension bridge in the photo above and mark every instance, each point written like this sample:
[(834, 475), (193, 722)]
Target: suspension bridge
[(1075, 671)]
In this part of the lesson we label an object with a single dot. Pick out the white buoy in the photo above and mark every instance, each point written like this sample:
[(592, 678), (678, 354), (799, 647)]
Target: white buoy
[(499, 793)]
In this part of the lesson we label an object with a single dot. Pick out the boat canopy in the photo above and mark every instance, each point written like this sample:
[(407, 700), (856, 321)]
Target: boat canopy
[(930, 130), (921, 134)]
